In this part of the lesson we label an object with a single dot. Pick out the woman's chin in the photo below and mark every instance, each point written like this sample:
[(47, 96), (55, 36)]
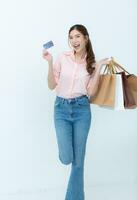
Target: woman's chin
[(78, 50)]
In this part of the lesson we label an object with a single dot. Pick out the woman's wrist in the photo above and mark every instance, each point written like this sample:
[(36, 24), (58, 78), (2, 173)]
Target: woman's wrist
[(98, 66), (50, 63)]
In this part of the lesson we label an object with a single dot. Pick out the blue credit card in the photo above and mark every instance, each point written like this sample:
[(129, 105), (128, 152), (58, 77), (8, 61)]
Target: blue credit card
[(48, 45)]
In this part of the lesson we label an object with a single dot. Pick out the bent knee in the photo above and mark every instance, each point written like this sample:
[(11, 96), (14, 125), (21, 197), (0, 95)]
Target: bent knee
[(66, 161)]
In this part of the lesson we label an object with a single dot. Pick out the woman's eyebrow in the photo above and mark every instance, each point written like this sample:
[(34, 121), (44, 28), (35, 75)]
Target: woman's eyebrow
[(75, 35)]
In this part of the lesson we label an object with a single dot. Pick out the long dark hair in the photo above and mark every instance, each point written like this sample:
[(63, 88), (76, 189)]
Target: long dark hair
[(90, 59)]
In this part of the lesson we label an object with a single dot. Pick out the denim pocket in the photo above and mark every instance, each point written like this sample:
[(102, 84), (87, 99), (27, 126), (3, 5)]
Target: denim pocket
[(84, 102), (57, 102)]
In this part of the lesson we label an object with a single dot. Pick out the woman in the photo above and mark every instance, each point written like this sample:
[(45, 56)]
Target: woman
[(75, 77)]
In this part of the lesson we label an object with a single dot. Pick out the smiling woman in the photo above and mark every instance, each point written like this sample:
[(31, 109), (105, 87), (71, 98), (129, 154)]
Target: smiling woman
[(80, 41), (76, 40), (75, 76)]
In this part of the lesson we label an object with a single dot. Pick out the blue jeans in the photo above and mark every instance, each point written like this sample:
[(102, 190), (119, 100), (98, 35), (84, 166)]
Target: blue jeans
[(72, 118)]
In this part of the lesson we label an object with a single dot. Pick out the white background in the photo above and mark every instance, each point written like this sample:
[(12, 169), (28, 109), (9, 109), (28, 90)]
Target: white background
[(28, 150)]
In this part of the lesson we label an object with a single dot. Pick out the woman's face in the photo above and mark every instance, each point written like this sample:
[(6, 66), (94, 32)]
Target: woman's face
[(77, 40)]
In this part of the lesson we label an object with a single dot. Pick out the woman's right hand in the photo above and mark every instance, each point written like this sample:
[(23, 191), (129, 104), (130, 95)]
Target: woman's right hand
[(47, 56)]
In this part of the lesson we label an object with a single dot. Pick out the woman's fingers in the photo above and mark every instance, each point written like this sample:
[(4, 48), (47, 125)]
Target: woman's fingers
[(45, 52), (47, 55)]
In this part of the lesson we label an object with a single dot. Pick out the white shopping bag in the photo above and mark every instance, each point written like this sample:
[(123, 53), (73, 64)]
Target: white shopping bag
[(119, 98)]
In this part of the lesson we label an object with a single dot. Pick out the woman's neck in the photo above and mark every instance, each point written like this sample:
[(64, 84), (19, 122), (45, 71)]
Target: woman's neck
[(80, 55)]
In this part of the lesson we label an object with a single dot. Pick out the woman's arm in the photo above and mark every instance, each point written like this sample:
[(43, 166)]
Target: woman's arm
[(51, 79), (94, 81)]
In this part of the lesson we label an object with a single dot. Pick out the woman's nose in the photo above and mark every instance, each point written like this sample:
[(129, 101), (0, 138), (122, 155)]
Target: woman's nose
[(75, 41)]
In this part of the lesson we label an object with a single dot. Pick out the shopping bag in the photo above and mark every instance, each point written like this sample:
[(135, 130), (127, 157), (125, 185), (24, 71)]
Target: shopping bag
[(129, 82), (106, 91), (129, 100), (117, 89), (132, 82), (119, 98)]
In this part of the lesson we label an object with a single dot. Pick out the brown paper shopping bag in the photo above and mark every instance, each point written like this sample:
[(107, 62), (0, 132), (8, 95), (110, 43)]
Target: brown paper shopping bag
[(132, 82), (105, 96)]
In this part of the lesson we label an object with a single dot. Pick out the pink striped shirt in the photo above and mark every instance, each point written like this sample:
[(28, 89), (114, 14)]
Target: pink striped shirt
[(71, 77)]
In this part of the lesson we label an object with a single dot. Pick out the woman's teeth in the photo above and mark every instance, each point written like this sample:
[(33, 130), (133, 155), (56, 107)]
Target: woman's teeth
[(76, 46)]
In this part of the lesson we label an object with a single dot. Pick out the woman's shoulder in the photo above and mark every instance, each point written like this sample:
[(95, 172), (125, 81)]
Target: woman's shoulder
[(67, 53), (64, 54)]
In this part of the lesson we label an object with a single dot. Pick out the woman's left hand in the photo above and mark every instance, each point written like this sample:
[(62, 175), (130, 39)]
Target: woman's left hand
[(104, 61)]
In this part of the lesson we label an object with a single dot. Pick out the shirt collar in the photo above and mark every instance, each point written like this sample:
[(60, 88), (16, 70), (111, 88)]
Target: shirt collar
[(72, 55)]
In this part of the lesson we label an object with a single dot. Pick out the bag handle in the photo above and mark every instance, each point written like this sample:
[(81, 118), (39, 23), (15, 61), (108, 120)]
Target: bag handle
[(118, 65), (113, 66), (111, 69)]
